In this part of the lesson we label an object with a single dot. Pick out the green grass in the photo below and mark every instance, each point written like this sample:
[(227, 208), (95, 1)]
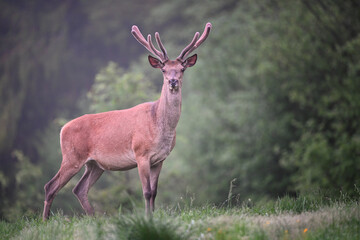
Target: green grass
[(286, 218)]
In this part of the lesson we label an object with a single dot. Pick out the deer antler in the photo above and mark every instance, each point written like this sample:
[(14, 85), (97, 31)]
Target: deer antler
[(196, 42), (149, 45)]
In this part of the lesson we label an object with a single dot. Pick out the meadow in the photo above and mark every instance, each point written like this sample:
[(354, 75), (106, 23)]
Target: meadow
[(303, 217)]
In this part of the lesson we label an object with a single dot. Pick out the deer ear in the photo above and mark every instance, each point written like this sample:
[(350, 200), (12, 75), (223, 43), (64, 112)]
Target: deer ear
[(154, 62), (190, 61)]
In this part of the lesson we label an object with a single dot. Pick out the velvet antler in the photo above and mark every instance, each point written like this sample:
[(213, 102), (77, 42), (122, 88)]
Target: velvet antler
[(149, 45), (195, 43)]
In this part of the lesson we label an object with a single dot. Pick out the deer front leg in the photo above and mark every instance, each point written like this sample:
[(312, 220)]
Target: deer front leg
[(144, 173), (154, 177)]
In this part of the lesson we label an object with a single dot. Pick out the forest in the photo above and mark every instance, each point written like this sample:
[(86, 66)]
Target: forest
[(271, 108)]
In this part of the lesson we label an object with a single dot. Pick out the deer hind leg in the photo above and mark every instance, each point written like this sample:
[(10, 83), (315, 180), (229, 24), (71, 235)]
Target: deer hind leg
[(65, 173), (91, 175)]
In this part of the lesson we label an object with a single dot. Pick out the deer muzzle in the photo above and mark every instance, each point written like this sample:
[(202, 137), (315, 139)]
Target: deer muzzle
[(173, 84)]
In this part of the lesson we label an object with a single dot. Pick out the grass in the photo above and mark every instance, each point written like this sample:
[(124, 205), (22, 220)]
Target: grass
[(286, 218)]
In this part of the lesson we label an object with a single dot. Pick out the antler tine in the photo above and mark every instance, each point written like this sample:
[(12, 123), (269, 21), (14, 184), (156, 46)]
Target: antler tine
[(155, 51), (140, 38), (203, 37), (192, 43), (147, 44), (161, 46)]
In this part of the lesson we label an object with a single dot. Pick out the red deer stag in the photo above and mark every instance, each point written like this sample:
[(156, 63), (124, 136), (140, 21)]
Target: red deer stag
[(142, 136)]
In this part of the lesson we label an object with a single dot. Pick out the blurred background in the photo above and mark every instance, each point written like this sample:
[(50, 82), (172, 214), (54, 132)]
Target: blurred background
[(272, 105)]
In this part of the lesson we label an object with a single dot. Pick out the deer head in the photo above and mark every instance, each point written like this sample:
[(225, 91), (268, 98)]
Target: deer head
[(173, 70)]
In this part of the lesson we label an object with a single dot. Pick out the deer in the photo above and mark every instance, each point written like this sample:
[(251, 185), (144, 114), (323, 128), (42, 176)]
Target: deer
[(142, 136)]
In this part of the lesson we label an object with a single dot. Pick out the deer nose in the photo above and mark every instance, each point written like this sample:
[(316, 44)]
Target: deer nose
[(174, 83)]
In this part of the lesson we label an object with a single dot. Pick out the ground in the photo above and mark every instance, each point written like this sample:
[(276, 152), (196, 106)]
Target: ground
[(286, 218)]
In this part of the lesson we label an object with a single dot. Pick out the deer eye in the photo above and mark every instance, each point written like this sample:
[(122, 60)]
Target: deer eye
[(183, 69)]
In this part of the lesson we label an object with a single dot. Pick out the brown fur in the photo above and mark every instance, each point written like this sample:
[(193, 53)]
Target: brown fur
[(142, 136)]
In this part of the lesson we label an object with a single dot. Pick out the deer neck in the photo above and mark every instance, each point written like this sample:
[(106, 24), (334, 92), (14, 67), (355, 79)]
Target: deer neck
[(168, 109)]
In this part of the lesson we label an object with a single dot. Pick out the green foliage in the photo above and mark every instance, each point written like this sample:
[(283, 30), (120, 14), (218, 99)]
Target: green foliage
[(228, 128), (27, 193), (347, 230), (277, 115), (10, 229), (339, 218), (116, 89), (316, 82), (139, 228)]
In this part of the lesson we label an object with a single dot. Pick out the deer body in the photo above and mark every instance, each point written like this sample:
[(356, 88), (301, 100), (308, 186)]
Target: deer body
[(141, 136), (119, 142)]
